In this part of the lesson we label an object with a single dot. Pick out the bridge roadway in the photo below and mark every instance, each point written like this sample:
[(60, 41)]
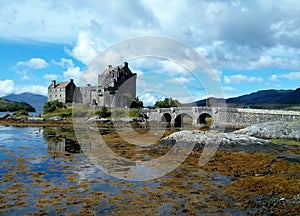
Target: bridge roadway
[(221, 116)]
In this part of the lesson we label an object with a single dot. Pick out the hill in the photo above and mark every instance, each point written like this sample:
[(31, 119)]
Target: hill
[(11, 106), (264, 99), (35, 100)]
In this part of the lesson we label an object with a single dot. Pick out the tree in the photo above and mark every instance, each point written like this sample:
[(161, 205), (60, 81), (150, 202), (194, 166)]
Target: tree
[(104, 112), (51, 106), (136, 103), (166, 103)]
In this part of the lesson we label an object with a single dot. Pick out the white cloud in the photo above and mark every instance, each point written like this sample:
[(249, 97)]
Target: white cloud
[(289, 76), (33, 63), (73, 73), (35, 89), (65, 63), (23, 67), (228, 89), (178, 80), (6, 87), (84, 50), (50, 76), (239, 78), (149, 98)]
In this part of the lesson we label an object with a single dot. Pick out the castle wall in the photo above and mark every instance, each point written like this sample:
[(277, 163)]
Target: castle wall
[(58, 94)]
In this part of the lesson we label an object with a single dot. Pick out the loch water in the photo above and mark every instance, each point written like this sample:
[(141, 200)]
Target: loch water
[(44, 171)]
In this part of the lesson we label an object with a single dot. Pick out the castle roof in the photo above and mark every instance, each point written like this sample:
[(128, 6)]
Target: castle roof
[(60, 84)]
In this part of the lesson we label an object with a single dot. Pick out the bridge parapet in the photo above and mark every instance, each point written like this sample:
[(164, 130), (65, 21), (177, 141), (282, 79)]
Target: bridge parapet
[(222, 116)]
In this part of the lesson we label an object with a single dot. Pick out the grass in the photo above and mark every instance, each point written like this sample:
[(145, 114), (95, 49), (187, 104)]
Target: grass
[(284, 141), (63, 112)]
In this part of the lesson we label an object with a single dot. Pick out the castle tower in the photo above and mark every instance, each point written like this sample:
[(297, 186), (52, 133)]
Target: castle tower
[(117, 86)]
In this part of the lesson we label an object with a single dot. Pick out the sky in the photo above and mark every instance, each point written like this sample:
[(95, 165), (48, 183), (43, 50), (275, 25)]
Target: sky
[(248, 45)]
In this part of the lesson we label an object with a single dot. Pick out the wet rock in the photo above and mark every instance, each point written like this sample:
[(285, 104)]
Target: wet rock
[(4, 116), (273, 130)]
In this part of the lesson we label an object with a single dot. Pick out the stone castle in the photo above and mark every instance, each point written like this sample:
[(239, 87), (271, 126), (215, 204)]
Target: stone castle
[(116, 88)]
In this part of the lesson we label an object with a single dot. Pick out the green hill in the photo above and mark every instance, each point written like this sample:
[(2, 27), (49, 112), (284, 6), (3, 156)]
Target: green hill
[(264, 99), (11, 106)]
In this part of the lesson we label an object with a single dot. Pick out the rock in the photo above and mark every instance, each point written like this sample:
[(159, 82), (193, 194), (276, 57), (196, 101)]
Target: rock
[(273, 130), (55, 118), (4, 116), (200, 139), (35, 119), (97, 119)]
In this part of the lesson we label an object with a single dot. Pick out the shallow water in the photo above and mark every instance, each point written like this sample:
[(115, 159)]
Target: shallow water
[(43, 170)]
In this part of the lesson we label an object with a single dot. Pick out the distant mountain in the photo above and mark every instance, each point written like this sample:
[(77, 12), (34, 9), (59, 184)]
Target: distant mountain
[(262, 99), (11, 106), (35, 100)]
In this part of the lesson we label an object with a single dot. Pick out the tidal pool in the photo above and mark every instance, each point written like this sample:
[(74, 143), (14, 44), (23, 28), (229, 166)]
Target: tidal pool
[(44, 172)]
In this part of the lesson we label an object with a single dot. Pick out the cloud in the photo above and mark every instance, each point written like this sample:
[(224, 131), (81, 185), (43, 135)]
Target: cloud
[(239, 78), (33, 63), (231, 35), (50, 76), (72, 73), (149, 98), (35, 89), (65, 63), (6, 87), (178, 80), (84, 49), (228, 89), (23, 67), (289, 76)]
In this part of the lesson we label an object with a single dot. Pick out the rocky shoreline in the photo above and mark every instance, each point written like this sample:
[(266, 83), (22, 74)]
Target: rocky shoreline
[(252, 138)]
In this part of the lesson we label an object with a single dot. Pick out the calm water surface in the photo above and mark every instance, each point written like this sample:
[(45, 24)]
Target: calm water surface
[(43, 171)]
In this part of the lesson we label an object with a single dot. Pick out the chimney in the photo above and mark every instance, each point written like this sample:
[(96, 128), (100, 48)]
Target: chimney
[(109, 66), (53, 83), (71, 80), (126, 64)]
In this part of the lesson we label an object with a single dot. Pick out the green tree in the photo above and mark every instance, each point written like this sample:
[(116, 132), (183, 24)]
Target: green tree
[(104, 112), (21, 113), (51, 106), (166, 103), (136, 103)]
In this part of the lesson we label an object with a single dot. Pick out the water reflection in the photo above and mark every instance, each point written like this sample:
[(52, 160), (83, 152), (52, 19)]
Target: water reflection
[(61, 141)]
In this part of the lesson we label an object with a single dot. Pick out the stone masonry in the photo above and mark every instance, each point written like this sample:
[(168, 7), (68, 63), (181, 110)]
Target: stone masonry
[(116, 88)]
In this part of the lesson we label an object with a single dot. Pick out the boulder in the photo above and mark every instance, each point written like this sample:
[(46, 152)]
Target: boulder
[(273, 130), (200, 139), (4, 116)]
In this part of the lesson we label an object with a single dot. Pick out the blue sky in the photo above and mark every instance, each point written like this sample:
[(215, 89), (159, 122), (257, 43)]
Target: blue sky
[(251, 45)]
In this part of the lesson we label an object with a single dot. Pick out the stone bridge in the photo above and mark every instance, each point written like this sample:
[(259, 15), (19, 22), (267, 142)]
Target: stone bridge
[(220, 116)]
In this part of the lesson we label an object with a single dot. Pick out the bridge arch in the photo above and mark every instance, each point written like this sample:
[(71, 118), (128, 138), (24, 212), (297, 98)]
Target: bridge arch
[(166, 118), (203, 119), (183, 119)]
